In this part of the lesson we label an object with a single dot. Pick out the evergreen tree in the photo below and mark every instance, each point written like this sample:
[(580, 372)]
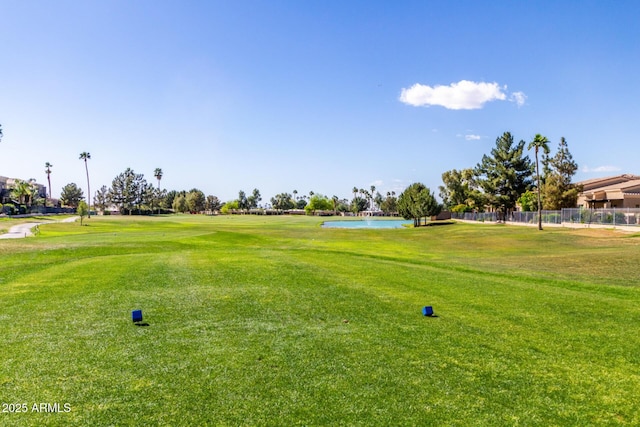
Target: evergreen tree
[(100, 200), (417, 201), (128, 190), (243, 202), (254, 199), (505, 174), (212, 204), (558, 190), (71, 195), (147, 197)]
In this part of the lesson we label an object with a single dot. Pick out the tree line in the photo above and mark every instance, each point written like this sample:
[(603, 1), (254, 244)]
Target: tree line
[(500, 181), (363, 200), (505, 178), (132, 194)]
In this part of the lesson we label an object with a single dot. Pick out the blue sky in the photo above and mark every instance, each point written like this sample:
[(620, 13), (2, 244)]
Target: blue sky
[(311, 95)]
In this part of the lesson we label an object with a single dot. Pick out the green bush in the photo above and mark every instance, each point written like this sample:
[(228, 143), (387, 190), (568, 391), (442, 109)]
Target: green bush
[(620, 218), (552, 218), (586, 217), (229, 207)]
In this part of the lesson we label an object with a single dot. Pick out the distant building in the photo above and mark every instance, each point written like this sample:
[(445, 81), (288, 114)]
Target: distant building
[(620, 191), (7, 184)]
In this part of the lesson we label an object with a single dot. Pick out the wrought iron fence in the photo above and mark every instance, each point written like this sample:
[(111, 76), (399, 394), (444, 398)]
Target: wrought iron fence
[(612, 216), (475, 216), (548, 217)]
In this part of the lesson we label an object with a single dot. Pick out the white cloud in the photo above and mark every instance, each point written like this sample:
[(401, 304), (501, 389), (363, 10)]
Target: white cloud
[(398, 185), (469, 136), (519, 98), (597, 169), (464, 95)]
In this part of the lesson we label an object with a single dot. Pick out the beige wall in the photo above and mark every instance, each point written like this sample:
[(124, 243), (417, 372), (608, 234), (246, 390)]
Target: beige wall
[(627, 201)]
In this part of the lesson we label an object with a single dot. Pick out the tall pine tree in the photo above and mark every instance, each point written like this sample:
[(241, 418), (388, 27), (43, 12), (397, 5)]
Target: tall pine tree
[(505, 174), (558, 191)]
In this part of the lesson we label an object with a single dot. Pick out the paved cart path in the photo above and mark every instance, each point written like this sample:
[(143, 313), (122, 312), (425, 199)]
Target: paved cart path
[(23, 230)]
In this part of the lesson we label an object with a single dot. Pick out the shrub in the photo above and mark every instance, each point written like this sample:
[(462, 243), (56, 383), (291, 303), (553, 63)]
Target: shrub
[(229, 207), (552, 218), (462, 208), (620, 218), (586, 217)]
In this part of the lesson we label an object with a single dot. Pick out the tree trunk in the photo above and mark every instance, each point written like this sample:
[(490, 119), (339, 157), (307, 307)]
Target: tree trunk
[(86, 167), (48, 179), (539, 189)]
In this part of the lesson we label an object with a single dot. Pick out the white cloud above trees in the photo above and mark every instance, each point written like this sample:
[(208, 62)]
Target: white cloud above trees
[(463, 95), (519, 98), (469, 136), (599, 169)]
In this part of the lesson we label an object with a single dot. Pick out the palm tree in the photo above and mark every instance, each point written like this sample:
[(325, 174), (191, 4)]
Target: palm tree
[(158, 174), (539, 142), (48, 172), (33, 195), (364, 196), (353, 202), (373, 191), (86, 156), (21, 191)]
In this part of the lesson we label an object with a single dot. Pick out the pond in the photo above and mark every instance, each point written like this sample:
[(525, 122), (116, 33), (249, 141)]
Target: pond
[(367, 223)]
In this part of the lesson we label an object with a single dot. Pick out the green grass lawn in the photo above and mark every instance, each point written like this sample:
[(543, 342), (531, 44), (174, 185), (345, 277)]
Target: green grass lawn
[(277, 321)]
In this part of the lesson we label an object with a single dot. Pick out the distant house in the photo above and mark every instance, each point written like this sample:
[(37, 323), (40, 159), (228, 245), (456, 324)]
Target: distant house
[(7, 184), (620, 191)]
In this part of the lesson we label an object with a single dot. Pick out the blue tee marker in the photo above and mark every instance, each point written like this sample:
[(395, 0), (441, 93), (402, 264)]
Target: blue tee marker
[(427, 311), (136, 315)]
